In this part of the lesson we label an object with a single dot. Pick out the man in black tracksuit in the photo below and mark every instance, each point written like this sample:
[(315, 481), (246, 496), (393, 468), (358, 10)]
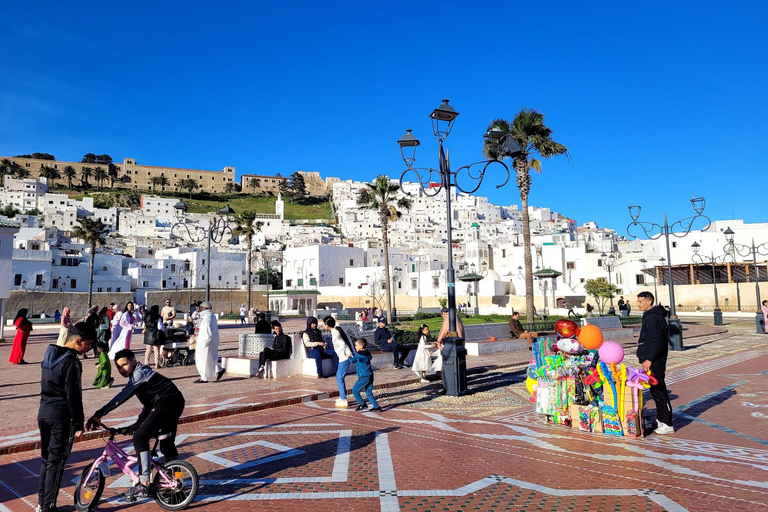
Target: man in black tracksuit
[(652, 350), (163, 404), (60, 417)]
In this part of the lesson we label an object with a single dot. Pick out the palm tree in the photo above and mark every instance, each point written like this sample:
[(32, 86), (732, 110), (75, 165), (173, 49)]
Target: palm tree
[(6, 167), (50, 174), (533, 136), (93, 232), (112, 173), (381, 196), (189, 184), (254, 183), (100, 174), (155, 180), (247, 226), (163, 182), (20, 173), (229, 188), (85, 173), (70, 173)]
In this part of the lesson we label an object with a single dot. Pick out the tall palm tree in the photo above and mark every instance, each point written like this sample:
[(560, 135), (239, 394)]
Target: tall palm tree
[(155, 180), (248, 227), (100, 174), (381, 196), (85, 173), (70, 173), (50, 174), (188, 184), (254, 183), (20, 173), (6, 167), (93, 232), (163, 182), (112, 173), (533, 136)]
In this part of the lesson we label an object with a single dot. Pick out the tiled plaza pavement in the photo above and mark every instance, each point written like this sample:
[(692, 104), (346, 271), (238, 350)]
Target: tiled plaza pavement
[(485, 451)]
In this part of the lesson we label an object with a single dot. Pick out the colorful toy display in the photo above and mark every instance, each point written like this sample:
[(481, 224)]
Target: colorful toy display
[(578, 379)]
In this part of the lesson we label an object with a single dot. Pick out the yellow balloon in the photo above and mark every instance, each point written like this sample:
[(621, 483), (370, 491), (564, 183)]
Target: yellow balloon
[(531, 384)]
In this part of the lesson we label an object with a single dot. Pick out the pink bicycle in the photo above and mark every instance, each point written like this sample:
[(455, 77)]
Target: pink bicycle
[(174, 485)]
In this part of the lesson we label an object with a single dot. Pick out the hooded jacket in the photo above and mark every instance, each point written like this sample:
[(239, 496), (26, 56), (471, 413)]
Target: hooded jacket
[(61, 388), (363, 367), (154, 391), (312, 337), (653, 343)]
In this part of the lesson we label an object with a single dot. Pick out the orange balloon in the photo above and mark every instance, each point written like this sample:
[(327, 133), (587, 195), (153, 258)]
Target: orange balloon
[(591, 337)]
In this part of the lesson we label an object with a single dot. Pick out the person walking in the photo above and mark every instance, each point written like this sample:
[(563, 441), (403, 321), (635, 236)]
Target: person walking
[(344, 352), (23, 328), (764, 308), (154, 336), (516, 328), (57, 316), (207, 347), (91, 317), (362, 359), (103, 333), (652, 350), (60, 417), (313, 340), (243, 314), (126, 320), (66, 323)]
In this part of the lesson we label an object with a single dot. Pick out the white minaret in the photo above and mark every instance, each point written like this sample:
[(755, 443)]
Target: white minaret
[(280, 206)]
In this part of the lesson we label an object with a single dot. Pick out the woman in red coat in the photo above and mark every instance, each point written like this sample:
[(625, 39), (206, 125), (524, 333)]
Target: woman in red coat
[(23, 328)]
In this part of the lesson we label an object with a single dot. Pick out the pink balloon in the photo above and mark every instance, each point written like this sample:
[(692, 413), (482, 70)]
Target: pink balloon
[(611, 352)]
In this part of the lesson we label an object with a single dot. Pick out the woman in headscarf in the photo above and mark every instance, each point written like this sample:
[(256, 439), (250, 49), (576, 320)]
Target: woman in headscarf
[(154, 336), (128, 317), (23, 328), (66, 323), (103, 334), (91, 317)]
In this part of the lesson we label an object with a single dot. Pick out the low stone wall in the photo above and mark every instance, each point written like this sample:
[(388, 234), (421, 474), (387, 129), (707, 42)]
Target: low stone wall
[(37, 302), (220, 299)]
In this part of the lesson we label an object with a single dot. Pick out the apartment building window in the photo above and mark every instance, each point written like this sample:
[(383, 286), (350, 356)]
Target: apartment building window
[(17, 280), (570, 265), (351, 262), (414, 284), (287, 282), (173, 267), (39, 280), (640, 279), (341, 281), (99, 289), (163, 286), (599, 262), (72, 284), (119, 289), (144, 284), (109, 288)]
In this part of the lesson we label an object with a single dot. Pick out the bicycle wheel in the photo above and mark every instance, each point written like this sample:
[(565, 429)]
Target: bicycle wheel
[(181, 492), (87, 494)]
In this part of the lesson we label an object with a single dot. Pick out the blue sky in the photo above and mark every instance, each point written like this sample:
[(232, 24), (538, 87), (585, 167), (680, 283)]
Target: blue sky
[(657, 101)]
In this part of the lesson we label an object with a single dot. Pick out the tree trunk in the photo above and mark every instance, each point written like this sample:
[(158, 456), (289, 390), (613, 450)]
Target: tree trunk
[(250, 274), (90, 276), (385, 238), (524, 184)]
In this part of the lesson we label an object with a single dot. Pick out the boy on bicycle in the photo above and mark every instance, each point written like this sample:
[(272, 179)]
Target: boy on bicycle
[(163, 405)]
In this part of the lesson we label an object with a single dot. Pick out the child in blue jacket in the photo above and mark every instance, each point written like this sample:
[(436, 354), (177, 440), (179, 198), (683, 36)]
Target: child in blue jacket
[(364, 377)]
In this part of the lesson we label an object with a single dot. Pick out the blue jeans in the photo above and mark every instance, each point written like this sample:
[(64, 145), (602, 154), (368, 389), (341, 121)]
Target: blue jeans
[(341, 372), (364, 383), (319, 354)]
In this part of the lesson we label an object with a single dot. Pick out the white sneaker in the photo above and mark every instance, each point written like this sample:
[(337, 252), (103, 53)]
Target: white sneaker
[(663, 428), (424, 381), (341, 403)]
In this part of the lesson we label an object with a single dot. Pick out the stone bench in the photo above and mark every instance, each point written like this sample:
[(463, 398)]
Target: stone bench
[(481, 348), (247, 360), (611, 327)]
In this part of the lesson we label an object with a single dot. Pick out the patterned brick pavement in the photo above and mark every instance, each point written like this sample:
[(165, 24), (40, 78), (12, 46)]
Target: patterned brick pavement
[(485, 451)]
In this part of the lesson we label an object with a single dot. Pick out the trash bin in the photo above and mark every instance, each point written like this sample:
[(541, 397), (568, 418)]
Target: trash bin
[(454, 366)]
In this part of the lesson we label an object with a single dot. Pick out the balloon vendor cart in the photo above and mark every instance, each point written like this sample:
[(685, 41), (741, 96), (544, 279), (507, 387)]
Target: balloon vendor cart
[(578, 380)]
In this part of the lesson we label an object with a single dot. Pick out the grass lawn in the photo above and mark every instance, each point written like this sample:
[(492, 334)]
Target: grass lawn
[(262, 205)]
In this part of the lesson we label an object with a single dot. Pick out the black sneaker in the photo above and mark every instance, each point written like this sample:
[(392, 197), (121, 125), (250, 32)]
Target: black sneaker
[(137, 492), (362, 407), (376, 409), (221, 372)]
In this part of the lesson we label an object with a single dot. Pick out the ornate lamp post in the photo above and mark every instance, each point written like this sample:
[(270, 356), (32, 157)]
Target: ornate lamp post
[(711, 259), (473, 277), (745, 250), (648, 228), (397, 274), (609, 263), (218, 227)]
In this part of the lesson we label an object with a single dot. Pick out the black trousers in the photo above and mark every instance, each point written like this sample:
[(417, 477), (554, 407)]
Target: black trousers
[(270, 354), (661, 396), (56, 438), (163, 423), (399, 352)]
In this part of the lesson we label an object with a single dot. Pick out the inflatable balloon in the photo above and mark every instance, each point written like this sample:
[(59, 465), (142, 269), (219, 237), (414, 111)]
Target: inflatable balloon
[(566, 328), (530, 384), (569, 346), (611, 352), (591, 337)]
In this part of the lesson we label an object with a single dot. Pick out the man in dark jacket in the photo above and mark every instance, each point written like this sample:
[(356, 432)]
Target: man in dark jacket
[(262, 326), (652, 350), (281, 348), (386, 342), (60, 418), (163, 404)]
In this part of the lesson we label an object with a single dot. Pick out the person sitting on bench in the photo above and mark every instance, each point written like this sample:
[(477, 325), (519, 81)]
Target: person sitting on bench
[(281, 349), (516, 329)]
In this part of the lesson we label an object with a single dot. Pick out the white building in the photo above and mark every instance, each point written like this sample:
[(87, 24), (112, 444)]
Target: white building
[(7, 231), (25, 194)]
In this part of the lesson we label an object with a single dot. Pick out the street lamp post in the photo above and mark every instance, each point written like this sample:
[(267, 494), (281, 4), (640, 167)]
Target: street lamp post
[(218, 227), (609, 263), (397, 272), (230, 299), (699, 258), (474, 276), (745, 250), (698, 204)]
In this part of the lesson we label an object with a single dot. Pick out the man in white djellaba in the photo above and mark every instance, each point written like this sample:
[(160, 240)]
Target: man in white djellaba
[(207, 350)]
